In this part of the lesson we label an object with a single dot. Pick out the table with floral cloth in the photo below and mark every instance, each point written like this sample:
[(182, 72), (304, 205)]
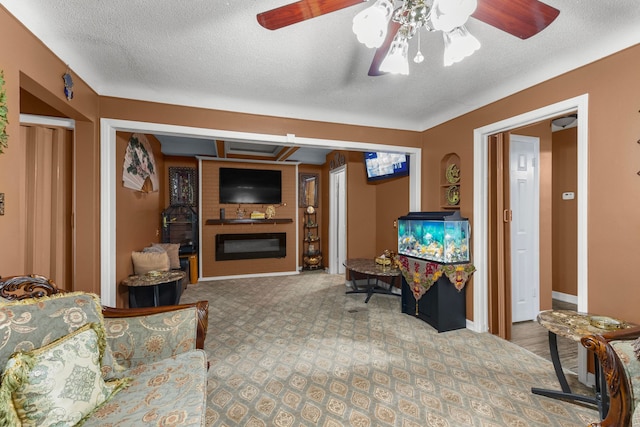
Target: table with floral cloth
[(445, 307), (421, 275)]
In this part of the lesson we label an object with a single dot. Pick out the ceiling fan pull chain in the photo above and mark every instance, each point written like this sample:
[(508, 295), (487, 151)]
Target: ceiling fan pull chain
[(419, 56)]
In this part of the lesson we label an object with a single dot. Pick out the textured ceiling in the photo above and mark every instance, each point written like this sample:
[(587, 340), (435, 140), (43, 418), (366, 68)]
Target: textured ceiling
[(213, 54)]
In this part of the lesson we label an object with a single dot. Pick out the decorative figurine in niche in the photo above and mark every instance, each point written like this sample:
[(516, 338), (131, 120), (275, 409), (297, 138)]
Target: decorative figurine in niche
[(68, 85)]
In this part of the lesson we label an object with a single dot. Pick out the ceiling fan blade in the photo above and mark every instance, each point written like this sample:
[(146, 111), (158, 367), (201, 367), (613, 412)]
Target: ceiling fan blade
[(382, 51), (521, 18), (301, 11)]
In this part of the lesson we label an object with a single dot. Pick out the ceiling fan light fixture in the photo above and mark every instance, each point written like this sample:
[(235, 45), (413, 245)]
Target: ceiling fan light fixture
[(446, 15), (397, 60), (370, 25), (458, 44), (457, 7)]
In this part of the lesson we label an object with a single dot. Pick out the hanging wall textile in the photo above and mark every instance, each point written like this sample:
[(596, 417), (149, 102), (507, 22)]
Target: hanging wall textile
[(421, 275), (139, 164)]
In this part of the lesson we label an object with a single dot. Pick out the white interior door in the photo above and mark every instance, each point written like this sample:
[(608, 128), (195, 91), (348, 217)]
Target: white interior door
[(337, 220), (525, 201)]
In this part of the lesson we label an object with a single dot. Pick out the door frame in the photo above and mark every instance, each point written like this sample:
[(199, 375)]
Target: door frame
[(68, 124), (481, 135), (109, 127), (333, 216)]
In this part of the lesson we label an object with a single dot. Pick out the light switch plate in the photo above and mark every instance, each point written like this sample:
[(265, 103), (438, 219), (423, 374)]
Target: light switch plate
[(569, 195)]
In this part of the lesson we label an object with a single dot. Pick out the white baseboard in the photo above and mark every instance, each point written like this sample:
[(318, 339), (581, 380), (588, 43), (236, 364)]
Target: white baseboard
[(470, 325), (560, 296), (244, 276)]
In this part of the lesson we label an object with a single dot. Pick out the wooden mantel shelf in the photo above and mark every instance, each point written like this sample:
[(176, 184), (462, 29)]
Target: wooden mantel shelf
[(248, 221)]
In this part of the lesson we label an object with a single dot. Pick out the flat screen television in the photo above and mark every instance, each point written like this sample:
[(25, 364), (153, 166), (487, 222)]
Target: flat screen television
[(252, 186), (380, 165)]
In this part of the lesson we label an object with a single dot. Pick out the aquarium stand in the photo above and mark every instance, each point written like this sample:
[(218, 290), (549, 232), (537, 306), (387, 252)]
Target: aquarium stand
[(442, 306)]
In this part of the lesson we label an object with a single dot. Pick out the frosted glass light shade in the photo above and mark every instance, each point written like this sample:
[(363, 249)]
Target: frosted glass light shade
[(447, 15), (370, 25), (457, 7), (397, 60), (458, 44)]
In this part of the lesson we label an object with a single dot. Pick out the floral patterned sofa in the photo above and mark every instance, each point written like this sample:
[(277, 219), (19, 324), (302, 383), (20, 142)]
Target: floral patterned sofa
[(66, 360)]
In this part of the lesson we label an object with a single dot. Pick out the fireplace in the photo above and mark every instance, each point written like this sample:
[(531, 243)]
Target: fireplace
[(250, 246)]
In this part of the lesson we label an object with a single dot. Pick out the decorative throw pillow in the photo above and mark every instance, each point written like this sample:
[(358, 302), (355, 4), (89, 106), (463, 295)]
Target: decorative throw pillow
[(144, 262), (23, 329), (58, 384), (172, 249)]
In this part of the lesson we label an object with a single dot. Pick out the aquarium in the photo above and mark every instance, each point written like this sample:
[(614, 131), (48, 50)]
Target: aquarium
[(434, 236)]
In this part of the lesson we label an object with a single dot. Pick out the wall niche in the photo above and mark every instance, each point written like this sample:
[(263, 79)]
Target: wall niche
[(450, 181)]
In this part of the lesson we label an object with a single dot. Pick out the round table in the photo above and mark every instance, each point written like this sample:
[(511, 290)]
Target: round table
[(574, 325), (373, 272), (153, 290)]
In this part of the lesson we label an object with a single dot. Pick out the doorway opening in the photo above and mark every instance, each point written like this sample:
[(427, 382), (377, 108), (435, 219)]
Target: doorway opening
[(337, 220), (108, 129), (49, 233), (482, 220)]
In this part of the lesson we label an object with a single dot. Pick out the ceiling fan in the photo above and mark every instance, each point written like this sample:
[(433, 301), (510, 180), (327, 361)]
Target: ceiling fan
[(520, 18)]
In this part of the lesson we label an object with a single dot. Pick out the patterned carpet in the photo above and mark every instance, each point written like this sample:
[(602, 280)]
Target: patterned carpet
[(296, 351)]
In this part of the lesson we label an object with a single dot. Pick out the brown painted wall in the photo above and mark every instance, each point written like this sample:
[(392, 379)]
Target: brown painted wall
[(614, 126), (137, 213), (565, 227), (392, 201), (118, 108), (211, 210), (439, 143), (29, 65), (361, 213), (372, 208)]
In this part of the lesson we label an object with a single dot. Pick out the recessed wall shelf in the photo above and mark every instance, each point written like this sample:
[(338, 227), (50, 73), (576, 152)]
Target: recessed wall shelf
[(450, 181), (248, 221)]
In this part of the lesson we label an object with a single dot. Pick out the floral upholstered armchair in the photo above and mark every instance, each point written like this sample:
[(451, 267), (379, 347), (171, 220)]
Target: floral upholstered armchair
[(618, 353), (66, 360)]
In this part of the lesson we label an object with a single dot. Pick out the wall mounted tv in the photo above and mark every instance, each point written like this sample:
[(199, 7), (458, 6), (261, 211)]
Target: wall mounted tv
[(381, 165), (253, 186)]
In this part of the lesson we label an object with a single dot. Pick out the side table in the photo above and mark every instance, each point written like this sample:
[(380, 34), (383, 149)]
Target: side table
[(153, 290), (373, 272), (574, 325)]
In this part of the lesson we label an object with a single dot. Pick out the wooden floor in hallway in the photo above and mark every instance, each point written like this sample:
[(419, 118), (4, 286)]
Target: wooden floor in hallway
[(535, 338)]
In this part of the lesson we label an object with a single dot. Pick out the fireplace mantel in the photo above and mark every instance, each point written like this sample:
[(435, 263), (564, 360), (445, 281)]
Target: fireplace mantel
[(248, 221)]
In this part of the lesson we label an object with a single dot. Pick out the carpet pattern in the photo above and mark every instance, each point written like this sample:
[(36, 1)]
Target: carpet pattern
[(296, 351)]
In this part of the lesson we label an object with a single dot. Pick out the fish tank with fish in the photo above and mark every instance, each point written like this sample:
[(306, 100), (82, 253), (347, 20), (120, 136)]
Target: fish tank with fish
[(434, 236)]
